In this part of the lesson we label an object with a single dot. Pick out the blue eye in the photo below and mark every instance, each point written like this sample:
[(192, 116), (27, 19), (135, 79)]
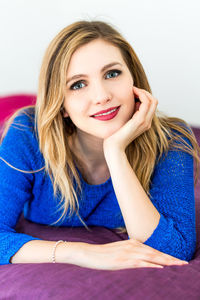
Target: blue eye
[(75, 85), (118, 72), (79, 84)]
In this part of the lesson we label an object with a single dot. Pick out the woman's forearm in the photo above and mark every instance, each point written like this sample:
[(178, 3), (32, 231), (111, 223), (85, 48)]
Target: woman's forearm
[(39, 251), (111, 256), (140, 215)]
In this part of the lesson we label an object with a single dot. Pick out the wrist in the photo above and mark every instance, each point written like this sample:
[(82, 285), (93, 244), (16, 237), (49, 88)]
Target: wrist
[(113, 154), (69, 252), (109, 146)]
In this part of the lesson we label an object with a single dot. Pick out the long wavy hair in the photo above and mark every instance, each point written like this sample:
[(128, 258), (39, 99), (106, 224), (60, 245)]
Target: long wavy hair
[(53, 130)]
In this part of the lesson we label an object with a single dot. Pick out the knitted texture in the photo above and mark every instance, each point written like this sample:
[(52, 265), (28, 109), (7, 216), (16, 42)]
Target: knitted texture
[(171, 190)]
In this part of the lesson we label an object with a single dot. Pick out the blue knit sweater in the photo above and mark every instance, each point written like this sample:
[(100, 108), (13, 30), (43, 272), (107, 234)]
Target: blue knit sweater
[(171, 190)]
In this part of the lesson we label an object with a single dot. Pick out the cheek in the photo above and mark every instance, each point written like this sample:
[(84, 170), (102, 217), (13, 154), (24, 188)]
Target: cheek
[(129, 96), (125, 90), (73, 106), (130, 103)]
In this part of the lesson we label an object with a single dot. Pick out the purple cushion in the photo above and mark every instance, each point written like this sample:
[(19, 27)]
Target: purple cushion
[(66, 281)]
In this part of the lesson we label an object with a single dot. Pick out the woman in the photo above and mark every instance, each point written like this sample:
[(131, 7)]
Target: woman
[(95, 145)]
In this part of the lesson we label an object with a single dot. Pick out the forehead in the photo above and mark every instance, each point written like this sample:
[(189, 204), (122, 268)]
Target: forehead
[(95, 54)]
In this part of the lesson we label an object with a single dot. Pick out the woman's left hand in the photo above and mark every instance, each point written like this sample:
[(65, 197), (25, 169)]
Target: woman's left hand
[(139, 123)]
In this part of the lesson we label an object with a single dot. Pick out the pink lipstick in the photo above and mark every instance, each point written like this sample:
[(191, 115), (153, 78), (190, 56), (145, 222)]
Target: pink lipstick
[(108, 116)]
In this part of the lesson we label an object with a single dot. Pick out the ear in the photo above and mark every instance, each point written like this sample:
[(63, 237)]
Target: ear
[(65, 114)]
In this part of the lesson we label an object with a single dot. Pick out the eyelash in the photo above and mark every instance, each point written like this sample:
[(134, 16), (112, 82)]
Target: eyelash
[(82, 81)]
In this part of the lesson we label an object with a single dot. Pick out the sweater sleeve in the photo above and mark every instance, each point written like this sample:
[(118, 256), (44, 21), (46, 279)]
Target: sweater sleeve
[(172, 193), (15, 186)]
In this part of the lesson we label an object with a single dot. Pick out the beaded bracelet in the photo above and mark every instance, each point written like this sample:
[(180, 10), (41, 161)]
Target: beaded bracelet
[(54, 249)]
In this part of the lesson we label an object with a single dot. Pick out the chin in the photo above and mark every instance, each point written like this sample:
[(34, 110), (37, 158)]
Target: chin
[(110, 132)]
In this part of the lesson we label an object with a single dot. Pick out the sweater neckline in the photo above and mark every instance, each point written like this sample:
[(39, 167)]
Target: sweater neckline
[(93, 186)]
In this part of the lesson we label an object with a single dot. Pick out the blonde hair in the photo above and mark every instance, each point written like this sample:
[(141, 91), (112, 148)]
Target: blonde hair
[(54, 130)]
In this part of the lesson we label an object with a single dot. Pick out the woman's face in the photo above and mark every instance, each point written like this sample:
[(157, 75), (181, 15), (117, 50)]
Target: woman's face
[(102, 81)]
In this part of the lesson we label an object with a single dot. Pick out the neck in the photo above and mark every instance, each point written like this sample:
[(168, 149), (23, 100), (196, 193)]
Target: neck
[(88, 151)]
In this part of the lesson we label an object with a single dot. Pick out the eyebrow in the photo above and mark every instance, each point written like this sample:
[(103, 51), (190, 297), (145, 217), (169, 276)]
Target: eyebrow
[(102, 70)]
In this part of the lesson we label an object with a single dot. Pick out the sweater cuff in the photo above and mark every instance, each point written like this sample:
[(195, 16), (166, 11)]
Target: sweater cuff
[(15, 247)]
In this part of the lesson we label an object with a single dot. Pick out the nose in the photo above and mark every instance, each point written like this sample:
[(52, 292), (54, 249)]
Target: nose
[(99, 94)]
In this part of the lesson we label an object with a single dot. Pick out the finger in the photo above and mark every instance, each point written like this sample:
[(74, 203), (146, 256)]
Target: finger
[(160, 257), (163, 260), (154, 101), (145, 102), (145, 95), (148, 107), (149, 95), (138, 90), (145, 264), (151, 113), (142, 264), (153, 107)]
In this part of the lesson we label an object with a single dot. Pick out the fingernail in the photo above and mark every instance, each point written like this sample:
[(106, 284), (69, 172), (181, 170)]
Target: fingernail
[(183, 262)]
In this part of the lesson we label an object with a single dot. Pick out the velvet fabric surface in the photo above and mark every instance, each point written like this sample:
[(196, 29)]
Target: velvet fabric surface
[(67, 281)]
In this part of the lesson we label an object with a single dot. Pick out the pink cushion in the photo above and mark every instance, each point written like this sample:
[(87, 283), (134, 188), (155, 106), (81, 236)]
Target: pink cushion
[(9, 104)]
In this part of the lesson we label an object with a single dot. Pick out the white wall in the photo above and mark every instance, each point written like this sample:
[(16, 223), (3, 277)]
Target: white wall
[(164, 34)]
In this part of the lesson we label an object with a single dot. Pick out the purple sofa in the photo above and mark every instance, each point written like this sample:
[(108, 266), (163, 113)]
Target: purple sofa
[(66, 281)]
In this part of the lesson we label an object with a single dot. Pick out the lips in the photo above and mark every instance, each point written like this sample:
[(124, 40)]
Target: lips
[(104, 111), (109, 116)]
